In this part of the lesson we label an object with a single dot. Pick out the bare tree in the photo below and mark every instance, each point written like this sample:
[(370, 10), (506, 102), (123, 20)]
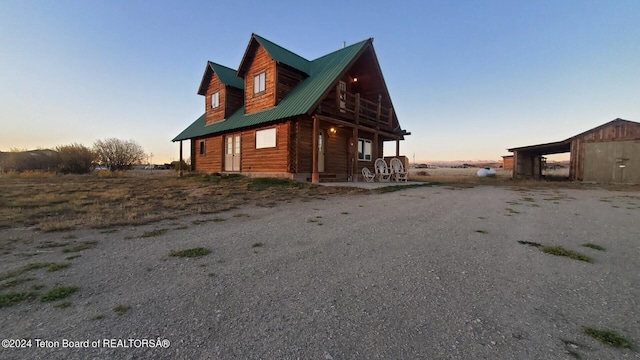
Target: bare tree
[(118, 154)]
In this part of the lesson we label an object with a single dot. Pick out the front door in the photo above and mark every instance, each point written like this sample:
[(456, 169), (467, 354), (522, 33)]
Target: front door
[(232, 153), (321, 147)]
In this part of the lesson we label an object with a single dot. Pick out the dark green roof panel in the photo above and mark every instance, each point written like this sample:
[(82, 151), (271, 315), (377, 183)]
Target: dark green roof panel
[(322, 73), (282, 55), (227, 75)]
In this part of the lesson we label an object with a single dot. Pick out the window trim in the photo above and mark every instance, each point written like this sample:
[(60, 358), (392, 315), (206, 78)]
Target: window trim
[(203, 149), (268, 143), (261, 78), (364, 142), (215, 104)]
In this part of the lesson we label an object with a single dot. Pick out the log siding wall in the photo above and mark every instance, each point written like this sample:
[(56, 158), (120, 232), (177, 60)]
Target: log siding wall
[(261, 62), (218, 113), (266, 159), (287, 79), (211, 161), (273, 160)]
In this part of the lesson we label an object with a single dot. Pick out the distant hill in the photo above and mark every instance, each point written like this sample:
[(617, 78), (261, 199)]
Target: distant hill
[(42, 159)]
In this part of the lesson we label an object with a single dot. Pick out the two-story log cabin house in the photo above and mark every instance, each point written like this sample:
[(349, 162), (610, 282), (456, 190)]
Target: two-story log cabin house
[(280, 115)]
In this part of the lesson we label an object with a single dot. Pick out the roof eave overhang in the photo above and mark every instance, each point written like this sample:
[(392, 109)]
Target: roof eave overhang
[(202, 90), (245, 58), (545, 149)]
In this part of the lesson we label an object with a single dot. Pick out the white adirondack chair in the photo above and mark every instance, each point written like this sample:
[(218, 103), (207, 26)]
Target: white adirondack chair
[(383, 173), (397, 169), (368, 176)]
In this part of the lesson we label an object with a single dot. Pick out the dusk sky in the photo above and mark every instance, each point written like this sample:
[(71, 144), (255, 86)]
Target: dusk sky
[(468, 79)]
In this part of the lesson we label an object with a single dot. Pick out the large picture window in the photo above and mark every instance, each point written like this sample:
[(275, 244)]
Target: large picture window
[(259, 83), (266, 138), (364, 150)]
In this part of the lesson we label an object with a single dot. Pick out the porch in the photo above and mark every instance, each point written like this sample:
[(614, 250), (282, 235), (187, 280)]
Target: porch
[(341, 149)]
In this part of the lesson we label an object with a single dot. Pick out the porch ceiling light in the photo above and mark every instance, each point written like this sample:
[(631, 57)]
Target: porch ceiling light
[(332, 130)]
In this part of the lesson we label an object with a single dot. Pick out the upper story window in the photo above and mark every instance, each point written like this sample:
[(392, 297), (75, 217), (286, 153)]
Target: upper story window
[(215, 100), (259, 83)]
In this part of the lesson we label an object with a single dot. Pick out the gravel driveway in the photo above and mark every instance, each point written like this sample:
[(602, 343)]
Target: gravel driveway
[(422, 273)]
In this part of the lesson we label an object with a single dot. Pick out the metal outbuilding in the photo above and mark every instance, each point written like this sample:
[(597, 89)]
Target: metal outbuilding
[(609, 153)]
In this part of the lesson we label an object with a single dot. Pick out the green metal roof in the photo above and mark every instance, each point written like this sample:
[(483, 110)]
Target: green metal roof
[(323, 72), (282, 55), (227, 75)]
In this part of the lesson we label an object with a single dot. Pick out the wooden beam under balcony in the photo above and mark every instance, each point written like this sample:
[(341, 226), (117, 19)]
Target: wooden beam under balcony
[(359, 127)]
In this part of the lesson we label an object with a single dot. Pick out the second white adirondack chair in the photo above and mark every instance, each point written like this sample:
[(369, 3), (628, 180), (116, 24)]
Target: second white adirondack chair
[(397, 169), (383, 173)]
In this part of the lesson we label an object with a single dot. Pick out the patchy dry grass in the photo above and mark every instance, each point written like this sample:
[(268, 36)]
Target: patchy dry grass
[(560, 251), (47, 244), (22, 270), (57, 266), (194, 252), (62, 305), (154, 232), (608, 337), (79, 247), (121, 309), (12, 298), (594, 246), (58, 292), (530, 243), (65, 202), (15, 282)]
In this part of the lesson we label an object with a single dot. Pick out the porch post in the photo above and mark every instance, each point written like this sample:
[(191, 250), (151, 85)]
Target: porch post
[(355, 154), (375, 151), (180, 162), (397, 147), (315, 176)]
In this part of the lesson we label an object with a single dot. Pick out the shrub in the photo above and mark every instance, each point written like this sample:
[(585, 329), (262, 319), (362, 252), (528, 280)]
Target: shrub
[(75, 158)]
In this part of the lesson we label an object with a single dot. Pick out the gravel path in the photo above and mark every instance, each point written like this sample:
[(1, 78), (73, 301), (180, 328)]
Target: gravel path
[(422, 273)]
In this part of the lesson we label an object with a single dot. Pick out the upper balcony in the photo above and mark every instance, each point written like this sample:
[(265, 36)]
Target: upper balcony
[(363, 111), (356, 109)]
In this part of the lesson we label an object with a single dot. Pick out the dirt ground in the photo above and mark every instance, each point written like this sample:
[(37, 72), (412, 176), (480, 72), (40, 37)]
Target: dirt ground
[(421, 273)]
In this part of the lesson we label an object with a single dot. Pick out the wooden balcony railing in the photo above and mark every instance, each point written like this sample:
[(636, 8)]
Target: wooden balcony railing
[(363, 111)]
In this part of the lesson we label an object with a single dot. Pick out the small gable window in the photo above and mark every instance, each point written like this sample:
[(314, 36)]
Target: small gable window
[(215, 100), (266, 138), (364, 150), (202, 149), (259, 83)]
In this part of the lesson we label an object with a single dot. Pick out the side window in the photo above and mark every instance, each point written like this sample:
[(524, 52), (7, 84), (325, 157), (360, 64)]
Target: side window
[(202, 149), (364, 149), (259, 83), (215, 100)]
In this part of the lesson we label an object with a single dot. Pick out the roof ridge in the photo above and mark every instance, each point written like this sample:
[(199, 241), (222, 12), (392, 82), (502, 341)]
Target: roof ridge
[(297, 58), (342, 49), (224, 66), (227, 75)]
